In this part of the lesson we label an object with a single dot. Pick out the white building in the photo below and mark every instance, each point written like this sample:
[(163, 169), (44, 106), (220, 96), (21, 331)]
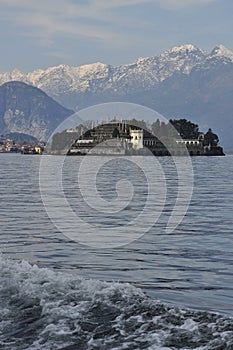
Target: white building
[(136, 138), (188, 142)]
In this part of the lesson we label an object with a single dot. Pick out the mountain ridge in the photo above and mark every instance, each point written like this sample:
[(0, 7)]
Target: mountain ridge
[(63, 79)]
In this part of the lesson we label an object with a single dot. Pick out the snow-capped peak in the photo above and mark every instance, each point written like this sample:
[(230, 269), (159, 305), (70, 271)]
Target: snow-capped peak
[(185, 48), (16, 73), (221, 50), (93, 67), (141, 60)]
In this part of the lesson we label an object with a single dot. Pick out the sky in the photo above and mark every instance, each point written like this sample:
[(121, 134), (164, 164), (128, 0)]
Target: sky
[(42, 33)]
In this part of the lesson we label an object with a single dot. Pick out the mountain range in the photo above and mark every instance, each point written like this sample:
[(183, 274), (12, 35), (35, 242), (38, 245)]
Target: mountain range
[(183, 82)]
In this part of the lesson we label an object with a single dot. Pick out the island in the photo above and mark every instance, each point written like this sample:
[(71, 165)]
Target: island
[(132, 137)]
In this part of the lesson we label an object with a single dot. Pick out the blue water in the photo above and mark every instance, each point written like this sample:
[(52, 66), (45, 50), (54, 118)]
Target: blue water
[(162, 291)]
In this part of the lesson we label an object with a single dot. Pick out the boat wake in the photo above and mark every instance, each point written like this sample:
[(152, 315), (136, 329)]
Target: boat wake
[(44, 309)]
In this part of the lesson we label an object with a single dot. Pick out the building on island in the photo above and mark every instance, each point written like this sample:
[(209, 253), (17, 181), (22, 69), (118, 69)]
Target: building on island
[(136, 138), (122, 138), (113, 138)]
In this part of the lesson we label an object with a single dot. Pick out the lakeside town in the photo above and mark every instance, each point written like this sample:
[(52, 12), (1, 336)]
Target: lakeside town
[(10, 145)]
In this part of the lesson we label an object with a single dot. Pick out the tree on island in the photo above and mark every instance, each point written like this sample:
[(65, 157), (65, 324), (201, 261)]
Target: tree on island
[(115, 133), (155, 127), (185, 128), (211, 139)]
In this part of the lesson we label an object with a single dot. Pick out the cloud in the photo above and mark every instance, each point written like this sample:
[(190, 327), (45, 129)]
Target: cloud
[(48, 20), (178, 4), (58, 54), (94, 19)]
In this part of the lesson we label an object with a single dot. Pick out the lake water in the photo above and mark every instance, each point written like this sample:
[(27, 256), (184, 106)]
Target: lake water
[(159, 291)]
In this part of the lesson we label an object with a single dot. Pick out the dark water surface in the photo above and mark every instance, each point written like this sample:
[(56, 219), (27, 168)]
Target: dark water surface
[(57, 294)]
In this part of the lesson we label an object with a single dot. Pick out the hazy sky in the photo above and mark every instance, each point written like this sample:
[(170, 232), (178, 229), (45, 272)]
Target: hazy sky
[(42, 33)]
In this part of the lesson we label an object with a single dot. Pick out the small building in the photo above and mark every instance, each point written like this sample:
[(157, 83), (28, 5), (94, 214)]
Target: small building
[(136, 138), (38, 149), (187, 142)]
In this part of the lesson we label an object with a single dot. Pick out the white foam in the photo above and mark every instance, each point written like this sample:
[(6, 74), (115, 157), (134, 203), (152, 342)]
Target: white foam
[(60, 309)]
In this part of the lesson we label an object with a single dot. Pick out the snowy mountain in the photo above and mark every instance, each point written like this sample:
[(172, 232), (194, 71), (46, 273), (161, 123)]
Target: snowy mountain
[(184, 81), (66, 83), (144, 73), (221, 51)]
